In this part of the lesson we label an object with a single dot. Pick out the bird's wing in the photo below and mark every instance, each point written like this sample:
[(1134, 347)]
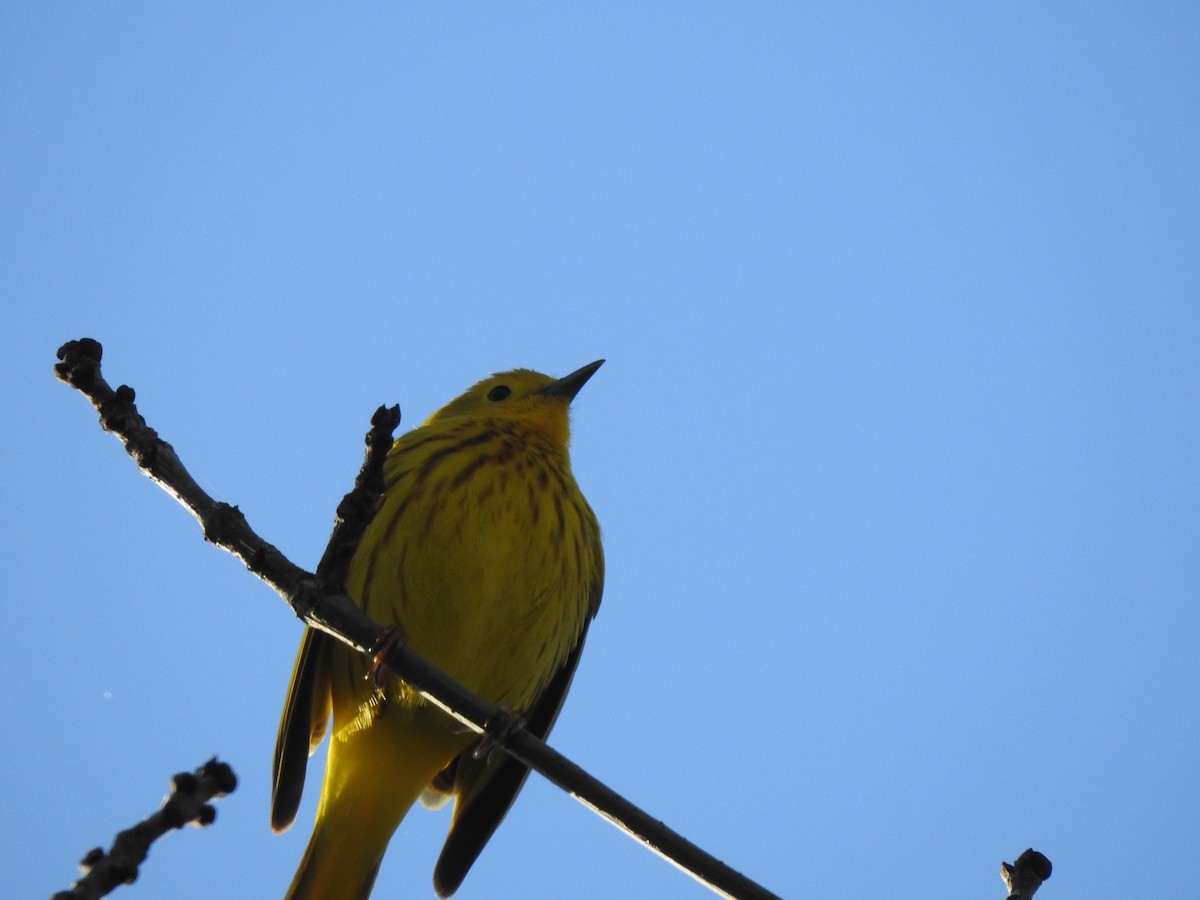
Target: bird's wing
[(485, 790), (305, 718)]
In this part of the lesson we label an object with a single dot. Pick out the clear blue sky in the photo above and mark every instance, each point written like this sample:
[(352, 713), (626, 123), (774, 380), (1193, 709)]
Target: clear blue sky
[(896, 450)]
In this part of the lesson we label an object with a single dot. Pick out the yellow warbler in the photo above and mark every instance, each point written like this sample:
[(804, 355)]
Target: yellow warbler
[(485, 552)]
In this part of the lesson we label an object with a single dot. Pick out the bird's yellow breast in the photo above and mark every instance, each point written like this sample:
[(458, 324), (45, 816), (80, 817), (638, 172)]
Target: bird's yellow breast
[(484, 551)]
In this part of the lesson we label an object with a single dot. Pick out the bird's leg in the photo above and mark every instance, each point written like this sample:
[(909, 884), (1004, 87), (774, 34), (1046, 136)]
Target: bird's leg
[(502, 724), (393, 637)]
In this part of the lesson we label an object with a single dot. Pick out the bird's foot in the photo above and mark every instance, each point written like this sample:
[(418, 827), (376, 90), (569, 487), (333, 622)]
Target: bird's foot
[(393, 637), (499, 727)]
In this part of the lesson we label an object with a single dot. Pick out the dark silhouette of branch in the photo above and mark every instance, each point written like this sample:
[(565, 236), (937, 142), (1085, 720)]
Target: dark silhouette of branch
[(357, 508), (320, 602), (187, 804), (1026, 875)]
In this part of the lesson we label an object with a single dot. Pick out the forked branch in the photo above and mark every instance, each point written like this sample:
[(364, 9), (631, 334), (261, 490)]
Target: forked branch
[(319, 601)]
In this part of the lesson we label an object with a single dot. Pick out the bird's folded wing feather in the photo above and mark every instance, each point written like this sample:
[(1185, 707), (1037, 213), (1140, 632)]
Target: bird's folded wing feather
[(305, 718), (485, 790)]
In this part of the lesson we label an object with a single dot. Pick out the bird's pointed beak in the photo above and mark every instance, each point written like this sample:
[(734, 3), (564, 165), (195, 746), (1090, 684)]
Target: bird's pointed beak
[(569, 385)]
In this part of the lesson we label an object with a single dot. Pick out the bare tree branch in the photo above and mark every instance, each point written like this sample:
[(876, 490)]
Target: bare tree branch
[(187, 804), (1026, 875), (320, 602)]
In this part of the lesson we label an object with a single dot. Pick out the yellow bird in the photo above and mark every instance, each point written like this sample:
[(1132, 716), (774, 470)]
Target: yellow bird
[(485, 552)]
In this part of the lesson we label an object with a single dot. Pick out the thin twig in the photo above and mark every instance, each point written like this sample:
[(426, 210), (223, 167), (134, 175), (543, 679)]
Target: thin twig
[(1026, 875), (357, 508), (321, 604), (222, 524), (187, 804)]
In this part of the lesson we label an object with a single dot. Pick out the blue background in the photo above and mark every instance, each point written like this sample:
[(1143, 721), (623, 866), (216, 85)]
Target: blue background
[(895, 450)]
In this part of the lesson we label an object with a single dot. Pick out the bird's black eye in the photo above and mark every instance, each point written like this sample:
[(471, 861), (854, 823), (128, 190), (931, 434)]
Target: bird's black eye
[(499, 392)]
